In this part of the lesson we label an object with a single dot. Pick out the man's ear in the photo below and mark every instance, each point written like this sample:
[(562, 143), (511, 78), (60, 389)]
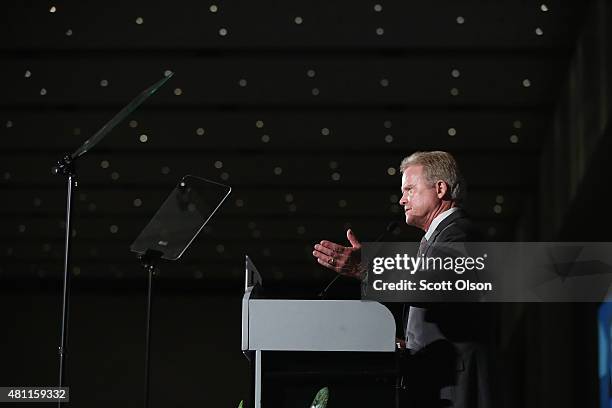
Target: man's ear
[(442, 189)]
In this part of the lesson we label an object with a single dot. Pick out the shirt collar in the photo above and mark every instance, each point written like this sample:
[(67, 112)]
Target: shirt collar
[(436, 221)]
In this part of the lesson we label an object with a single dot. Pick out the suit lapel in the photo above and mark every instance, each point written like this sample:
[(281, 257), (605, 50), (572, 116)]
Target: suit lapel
[(445, 223)]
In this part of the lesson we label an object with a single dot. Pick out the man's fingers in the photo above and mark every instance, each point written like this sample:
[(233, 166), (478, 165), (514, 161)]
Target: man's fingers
[(325, 250), (333, 246), (328, 266), (326, 258), (350, 235)]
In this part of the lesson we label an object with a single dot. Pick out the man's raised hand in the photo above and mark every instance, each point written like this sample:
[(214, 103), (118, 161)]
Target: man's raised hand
[(344, 260)]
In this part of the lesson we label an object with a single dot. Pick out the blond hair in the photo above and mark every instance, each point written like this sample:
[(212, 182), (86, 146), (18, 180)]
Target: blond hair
[(439, 165)]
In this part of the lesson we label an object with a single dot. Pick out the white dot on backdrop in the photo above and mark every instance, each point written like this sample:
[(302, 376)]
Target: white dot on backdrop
[(239, 203), (143, 138), (544, 7), (389, 138), (325, 132), (377, 8), (452, 131), (224, 176), (28, 74), (342, 203), (200, 131), (133, 123), (387, 124), (104, 164), (265, 138), (289, 198), (539, 31), (139, 20), (113, 229), (380, 31), (104, 83), (526, 83), (384, 82), (218, 164), (69, 32), (178, 91), (9, 124), (43, 91), (213, 8), (514, 139), (115, 175), (497, 209), (278, 171), (21, 228), (137, 202), (391, 171), (165, 170), (242, 82), (517, 124), (311, 73), (167, 73), (455, 73), (454, 91), (223, 32), (315, 91), (259, 124), (53, 9), (499, 199), (298, 20), (335, 176), (460, 20)]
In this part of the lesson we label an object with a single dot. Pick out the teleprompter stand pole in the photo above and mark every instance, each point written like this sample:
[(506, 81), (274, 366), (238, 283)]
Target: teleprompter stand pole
[(66, 168), (148, 262)]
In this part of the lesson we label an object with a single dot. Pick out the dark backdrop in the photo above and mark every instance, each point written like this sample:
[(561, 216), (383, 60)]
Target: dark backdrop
[(305, 109)]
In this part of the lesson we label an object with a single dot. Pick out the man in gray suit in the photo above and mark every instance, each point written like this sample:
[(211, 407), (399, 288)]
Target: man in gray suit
[(449, 363)]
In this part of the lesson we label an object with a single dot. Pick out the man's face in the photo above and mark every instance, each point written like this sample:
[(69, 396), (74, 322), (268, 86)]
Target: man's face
[(419, 197)]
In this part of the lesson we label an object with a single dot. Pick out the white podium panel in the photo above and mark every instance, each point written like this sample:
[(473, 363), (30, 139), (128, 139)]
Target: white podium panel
[(319, 325)]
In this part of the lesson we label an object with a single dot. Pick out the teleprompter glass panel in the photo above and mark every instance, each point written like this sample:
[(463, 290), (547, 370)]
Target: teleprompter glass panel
[(178, 221)]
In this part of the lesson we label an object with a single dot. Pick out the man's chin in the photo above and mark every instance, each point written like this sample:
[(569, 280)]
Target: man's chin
[(410, 220)]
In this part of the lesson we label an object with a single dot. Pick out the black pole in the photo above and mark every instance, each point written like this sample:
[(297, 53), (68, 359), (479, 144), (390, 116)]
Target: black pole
[(66, 167), (148, 261), (150, 270)]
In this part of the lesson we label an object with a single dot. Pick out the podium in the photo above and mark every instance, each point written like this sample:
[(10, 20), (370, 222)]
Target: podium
[(310, 326)]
